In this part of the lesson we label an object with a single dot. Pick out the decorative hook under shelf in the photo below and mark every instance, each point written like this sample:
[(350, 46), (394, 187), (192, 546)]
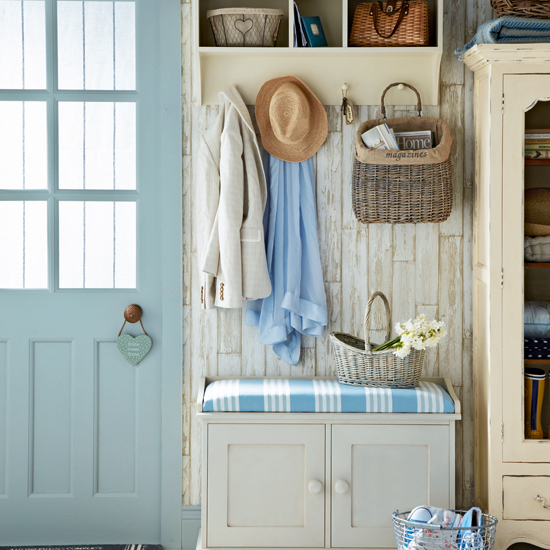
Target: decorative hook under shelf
[(347, 105)]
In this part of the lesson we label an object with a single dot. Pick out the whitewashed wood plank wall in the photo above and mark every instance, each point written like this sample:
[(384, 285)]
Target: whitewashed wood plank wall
[(423, 268)]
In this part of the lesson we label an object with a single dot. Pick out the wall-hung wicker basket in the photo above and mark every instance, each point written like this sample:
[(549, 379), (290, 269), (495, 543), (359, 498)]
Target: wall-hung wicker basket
[(359, 366), (522, 8), (403, 186), (245, 27)]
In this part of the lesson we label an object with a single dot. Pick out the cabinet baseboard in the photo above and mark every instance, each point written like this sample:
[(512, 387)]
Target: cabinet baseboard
[(190, 526)]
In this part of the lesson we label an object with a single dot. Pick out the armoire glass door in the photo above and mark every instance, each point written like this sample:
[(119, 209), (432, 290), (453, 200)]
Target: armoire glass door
[(525, 273)]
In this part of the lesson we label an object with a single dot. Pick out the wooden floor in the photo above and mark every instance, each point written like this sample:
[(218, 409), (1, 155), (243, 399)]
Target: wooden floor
[(425, 268)]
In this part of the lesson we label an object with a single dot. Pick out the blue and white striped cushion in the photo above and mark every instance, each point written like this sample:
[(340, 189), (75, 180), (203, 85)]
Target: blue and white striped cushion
[(289, 395)]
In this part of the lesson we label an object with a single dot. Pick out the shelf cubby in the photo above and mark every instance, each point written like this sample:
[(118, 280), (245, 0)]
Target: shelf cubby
[(330, 14), (206, 37), (367, 71)]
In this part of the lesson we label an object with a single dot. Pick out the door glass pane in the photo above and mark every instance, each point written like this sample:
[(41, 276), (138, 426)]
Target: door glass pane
[(22, 44), (24, 244), (97, 145), (97, 244), (96, 45), (536, 241), (23, 145)]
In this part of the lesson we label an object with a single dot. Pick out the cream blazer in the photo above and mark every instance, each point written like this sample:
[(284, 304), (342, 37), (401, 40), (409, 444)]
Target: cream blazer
[(231, 196)]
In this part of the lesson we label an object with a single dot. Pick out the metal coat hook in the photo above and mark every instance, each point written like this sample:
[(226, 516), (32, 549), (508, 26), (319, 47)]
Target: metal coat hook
[(345, 89), (347, 105)]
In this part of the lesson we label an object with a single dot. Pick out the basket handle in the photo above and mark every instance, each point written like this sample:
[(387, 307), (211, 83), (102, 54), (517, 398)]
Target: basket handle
[(418, 103), (368, 314), (390, 10)]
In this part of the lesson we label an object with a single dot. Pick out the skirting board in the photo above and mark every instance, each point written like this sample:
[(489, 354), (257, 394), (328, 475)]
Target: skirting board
[(190, 526)]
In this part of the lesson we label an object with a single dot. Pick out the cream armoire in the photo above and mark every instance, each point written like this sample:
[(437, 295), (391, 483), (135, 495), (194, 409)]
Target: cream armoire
[(512, 94)]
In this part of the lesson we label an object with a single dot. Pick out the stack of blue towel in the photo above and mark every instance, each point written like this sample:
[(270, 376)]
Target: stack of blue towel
[(510, 30)]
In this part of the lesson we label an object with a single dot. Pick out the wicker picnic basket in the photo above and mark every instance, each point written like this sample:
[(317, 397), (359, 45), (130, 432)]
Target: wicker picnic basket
[(392, 23), (403, 186), (522, 8), (359, 366)]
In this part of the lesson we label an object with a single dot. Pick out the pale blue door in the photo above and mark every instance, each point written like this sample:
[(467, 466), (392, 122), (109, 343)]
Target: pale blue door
[(90, 222)]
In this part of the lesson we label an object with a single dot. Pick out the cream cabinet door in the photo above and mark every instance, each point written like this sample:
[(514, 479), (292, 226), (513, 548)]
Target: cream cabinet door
[(266, 485), (521, 94), (378, 469)]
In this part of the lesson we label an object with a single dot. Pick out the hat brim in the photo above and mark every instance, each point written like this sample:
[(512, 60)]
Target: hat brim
[(310, 143)]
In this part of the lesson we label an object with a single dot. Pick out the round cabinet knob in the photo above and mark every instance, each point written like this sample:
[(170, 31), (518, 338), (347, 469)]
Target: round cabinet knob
[(315, 486), (341, 486)]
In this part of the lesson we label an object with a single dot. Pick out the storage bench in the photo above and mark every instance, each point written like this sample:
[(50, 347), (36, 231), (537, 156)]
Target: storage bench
[(324, 479)]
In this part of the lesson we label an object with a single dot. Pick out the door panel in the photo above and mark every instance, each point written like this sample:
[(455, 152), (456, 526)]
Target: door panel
[(51, 415), (116, 391), (81, 430), (521, 94), (384, 468), (258, 477), (3, 414)]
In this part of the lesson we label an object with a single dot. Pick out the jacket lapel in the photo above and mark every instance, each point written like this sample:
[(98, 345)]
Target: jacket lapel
[(232, 95)]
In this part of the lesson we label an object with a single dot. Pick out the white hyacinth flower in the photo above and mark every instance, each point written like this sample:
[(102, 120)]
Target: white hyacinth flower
[(419, 334)]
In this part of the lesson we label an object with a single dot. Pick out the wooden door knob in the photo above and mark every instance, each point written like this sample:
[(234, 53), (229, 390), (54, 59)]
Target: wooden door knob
[(341, 487), (133, 313), (315, 486)]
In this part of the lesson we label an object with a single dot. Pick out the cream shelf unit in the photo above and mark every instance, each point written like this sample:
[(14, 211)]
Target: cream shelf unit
[(511, 92), (320, 480), (367, 71)]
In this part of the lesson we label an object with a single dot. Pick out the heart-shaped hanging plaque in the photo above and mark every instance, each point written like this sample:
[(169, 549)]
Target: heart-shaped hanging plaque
[(134, 349)]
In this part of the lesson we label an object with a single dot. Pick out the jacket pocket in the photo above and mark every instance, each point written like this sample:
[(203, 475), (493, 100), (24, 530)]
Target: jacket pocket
[(251, 235)]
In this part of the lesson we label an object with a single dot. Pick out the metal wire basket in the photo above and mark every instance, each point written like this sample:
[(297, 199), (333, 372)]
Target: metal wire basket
[(413, 535), (245, 27)]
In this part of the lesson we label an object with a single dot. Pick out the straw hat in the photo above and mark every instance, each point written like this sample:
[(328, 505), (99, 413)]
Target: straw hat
[(292, 121), (537, 212)]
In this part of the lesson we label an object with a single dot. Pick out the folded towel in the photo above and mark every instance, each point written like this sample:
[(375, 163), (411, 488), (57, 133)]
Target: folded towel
[(510, 30), (536, 319), (536, 348), (471, 539)]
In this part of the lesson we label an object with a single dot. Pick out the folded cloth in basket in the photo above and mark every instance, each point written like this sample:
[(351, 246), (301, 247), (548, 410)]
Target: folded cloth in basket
[(420, 539), (291, 395), (449, 537), (509, 29)]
